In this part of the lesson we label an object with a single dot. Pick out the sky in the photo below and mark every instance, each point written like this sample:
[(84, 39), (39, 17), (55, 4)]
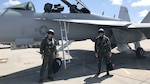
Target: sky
[(137, 8)]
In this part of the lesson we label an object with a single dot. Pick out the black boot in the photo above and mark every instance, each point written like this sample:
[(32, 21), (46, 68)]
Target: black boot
[(50, 78), (41, 80), (98, 73), (107, 73)]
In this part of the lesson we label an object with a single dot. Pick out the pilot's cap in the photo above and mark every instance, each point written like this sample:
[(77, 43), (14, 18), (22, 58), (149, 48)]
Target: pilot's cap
[(50, 31), (101, 30)]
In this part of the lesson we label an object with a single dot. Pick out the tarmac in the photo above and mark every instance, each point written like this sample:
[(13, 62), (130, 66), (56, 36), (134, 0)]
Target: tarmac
[(23, 66)]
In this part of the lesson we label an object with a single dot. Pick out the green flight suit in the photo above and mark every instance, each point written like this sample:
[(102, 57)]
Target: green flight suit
[(102, 48), (48, 49)]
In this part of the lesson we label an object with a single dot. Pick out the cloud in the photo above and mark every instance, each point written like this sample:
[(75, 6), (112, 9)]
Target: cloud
[(141, 3), (11, 2), (143, 13), (116, 2)]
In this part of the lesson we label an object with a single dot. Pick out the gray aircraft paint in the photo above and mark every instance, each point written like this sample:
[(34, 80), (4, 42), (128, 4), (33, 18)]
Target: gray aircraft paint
[(27, 27)]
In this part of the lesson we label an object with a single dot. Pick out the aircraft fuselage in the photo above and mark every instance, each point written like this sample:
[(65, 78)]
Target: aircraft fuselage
[(19, 25)]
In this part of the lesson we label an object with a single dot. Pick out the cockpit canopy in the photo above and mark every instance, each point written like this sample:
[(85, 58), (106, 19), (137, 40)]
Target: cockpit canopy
[(75, 9), (24, 6)]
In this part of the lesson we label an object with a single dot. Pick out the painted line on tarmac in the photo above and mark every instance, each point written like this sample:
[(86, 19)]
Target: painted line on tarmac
[(126, 71), (3, 60)]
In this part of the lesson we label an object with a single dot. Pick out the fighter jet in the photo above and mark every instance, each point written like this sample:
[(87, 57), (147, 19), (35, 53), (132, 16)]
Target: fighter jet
[(21, 25)]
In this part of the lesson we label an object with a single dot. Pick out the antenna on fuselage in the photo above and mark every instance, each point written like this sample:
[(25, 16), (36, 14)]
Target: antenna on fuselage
[(114, 16), (103, 13)]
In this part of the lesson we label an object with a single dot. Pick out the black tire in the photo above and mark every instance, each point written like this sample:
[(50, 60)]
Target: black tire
[(139, 52), (56, 65)]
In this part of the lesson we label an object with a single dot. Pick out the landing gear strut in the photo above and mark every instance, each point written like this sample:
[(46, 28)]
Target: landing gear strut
[(139, 52)]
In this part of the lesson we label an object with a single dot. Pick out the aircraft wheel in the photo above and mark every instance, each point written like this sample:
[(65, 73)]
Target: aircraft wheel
[(56, 65), (139, 52)]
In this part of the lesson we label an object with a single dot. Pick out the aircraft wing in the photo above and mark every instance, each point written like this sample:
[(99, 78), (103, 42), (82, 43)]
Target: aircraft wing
[(96, 22), (107, 23), (139, 25), (130, 34)]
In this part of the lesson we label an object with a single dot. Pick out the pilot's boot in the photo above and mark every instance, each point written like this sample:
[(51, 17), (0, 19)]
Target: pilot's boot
[(98, 73), (107, 68), (41, 80), (50, 78), (107, 73)]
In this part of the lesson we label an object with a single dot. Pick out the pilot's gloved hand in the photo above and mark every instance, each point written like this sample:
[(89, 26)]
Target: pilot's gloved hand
[(110, 54), (96, 54), (42, 56)]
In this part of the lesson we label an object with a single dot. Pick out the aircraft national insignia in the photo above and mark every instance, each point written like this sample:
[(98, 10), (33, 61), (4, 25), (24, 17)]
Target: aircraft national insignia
[(43, 29)]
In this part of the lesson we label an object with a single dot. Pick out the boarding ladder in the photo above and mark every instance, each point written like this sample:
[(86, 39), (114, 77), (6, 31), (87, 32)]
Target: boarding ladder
[(64, 40)]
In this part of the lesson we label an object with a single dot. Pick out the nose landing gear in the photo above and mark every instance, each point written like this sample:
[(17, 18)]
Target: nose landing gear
[(140, 52)]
